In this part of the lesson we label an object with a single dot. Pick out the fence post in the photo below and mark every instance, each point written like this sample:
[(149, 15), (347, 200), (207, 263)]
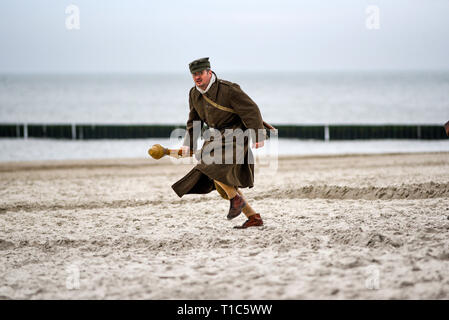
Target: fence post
[(73, 131), (326, 133)]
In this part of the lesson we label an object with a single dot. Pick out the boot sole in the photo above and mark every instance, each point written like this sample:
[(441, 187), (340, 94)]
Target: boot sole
[(242, 227)]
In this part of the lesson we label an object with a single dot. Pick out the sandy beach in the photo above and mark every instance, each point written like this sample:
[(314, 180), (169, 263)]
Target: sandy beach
[(336, 227)]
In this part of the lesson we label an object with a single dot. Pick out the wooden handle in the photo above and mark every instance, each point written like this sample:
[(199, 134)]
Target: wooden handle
[(177, 153)]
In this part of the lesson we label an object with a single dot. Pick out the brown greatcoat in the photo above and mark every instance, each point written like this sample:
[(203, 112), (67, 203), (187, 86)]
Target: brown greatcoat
[(238, 173)]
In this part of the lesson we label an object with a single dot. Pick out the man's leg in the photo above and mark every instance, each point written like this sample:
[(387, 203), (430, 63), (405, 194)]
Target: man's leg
[(230, 190), (236, 201), (254, 219), (247, 210)]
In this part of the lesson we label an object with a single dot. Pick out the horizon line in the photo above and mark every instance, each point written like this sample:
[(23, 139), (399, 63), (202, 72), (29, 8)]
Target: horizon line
[(171, 72)]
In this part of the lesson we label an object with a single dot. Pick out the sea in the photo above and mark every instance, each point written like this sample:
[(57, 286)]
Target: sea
[(362, 97)]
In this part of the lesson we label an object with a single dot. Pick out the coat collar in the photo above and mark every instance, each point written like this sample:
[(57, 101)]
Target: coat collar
[(212, 92)]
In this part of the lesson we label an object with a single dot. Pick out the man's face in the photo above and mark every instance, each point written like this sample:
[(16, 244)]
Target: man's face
[(202, 78)]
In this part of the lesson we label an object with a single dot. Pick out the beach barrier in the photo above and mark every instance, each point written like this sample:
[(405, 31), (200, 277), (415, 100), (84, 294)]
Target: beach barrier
[(124, 131), (141, 131), (300, 131)]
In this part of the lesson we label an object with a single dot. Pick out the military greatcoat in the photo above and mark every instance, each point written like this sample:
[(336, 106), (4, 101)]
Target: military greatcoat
[(238, 173)]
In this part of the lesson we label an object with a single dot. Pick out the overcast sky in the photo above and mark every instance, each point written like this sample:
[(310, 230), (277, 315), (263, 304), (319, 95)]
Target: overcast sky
[(158, 36)]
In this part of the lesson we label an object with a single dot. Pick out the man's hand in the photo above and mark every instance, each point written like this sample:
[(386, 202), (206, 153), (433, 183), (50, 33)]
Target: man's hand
[(185, 151), (259, 144)]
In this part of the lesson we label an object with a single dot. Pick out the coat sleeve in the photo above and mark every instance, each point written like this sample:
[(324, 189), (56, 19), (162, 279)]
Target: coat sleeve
[(193, 127), (248, 111)]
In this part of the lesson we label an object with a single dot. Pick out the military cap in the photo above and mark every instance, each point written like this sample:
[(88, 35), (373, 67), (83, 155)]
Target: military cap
[(199, 65)]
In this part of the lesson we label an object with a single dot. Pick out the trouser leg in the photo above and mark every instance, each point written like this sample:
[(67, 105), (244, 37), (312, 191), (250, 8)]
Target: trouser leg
[(230, 190)]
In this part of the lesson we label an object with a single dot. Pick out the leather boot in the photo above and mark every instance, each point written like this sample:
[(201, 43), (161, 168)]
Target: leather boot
[(253, 221), (236, 205)]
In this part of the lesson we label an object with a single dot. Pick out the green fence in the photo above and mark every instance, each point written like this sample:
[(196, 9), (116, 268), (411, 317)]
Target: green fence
[(317, 132), (124, 131)]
